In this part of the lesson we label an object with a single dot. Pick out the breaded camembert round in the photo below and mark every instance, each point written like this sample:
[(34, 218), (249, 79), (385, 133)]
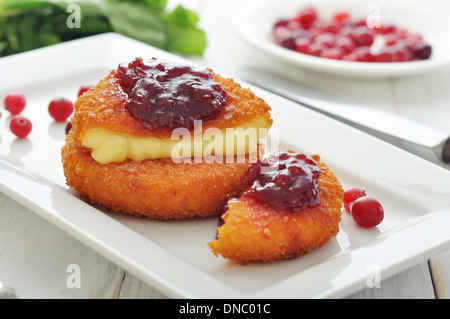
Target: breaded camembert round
[(134, 142), (254, 230)]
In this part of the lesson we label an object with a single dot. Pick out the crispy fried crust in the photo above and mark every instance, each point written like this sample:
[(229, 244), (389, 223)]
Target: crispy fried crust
[(254, 232), (159, 189), (104, 106)]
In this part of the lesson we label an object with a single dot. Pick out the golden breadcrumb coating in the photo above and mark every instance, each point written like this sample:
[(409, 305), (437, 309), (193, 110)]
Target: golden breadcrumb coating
[(255, 232), (160, 188)]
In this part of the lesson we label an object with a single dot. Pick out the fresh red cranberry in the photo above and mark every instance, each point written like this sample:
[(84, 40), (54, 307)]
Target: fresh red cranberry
[(302, 45), (15, 103), (352, 194), (60, 109), (402, 33), (367, 211), (363, 36), (391, 39), (284, 180), (326, 39), (289, 42), (389, 29), (333, 53), (347, 31), (384, 55), (20, 126), (316, 48), (345, 43), (423, 52), (415, 40), (363, 54), (401, 53), (330, 26), (377, 29), (294, 25), (281, 23), (360, 23), (83, 89), (280, 33), (307, 16), (349, 57), (286, 37), (314, 32), (341, 16), (163, 93), (68, 127)]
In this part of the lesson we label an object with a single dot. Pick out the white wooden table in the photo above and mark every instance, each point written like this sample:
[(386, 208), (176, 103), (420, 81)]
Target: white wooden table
[(35, 255)]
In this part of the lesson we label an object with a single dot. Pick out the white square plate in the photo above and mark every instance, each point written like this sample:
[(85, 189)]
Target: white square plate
[(173, 256)]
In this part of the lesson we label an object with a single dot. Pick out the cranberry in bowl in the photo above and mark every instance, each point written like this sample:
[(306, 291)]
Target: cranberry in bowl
[(341, 36), (349, 37)]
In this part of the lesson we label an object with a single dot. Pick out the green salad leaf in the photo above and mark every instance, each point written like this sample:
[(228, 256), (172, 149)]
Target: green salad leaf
[(31, 24), (183, 35)]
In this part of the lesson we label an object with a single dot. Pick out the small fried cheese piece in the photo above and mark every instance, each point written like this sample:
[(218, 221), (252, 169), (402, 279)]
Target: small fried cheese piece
[(254, 232)]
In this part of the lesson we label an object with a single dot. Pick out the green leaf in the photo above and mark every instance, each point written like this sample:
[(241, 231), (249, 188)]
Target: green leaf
[(87, 7), (48, 38), (188, 41), (26, 28), (89, 25), (11, 37), (182, 17), (138, 22), (20, 5), (183, 35), (160, 5), (27, 24), (3, 46)]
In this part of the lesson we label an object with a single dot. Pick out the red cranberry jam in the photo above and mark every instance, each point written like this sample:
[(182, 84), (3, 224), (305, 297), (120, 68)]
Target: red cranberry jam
[(287, 181), (163, 93)]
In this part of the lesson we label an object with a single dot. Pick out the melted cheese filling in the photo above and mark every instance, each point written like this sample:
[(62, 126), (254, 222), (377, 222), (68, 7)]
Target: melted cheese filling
[(108, 146)]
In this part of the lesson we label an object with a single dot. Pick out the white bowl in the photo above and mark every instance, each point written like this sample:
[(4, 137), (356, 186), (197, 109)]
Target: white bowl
[(254, 21)]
